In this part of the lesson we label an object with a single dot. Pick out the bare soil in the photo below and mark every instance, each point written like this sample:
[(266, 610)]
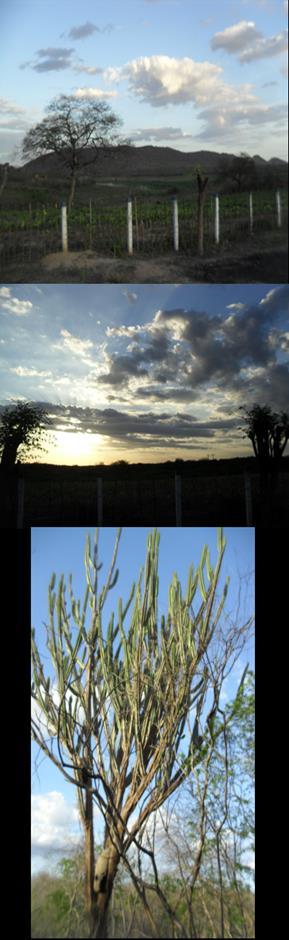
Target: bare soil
[(258, 263)]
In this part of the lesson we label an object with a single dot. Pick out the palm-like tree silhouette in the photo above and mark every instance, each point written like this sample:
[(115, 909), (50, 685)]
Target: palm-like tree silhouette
[(267, 430)]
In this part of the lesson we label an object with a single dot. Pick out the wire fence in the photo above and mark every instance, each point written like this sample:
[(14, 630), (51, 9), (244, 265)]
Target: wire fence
[(175, 500), (137, 227)]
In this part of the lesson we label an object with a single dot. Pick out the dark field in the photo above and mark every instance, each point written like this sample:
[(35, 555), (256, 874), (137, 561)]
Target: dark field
[(212, 492)]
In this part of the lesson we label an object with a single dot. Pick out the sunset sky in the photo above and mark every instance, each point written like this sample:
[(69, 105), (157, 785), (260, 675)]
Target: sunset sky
[(182, 73), (144, 372)]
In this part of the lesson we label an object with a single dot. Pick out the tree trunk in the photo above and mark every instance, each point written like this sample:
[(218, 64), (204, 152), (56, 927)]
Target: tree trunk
[(89, 860), (105, 872), (9, 453), (72, 190)]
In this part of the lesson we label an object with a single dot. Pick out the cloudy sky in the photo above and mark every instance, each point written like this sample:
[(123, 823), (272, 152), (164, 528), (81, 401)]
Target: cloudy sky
[(144, 372), (55, 819), (182, 73)]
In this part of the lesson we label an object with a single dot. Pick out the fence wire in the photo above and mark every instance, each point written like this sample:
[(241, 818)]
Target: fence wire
[(73, 498), (28, 234)]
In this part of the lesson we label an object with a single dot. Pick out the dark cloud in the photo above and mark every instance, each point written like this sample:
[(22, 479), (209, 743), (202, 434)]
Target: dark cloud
[(79, 32), (53, 59), (87, 29), (121, 369), (148, 428), (182, 352)]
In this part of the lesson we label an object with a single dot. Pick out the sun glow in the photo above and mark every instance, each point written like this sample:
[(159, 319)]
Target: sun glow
[(76, 447)]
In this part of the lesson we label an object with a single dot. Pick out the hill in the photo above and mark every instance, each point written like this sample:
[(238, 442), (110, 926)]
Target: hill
[(146, 161)]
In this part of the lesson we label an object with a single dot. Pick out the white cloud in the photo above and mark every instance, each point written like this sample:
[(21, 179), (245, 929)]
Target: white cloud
[(245, 40), (235, 37), (18, 307), (237, 306), (161, 79), (22, 371), (94, 93), (53, 822), (266, 48), (8, 107), (160, 133), (77, 346)]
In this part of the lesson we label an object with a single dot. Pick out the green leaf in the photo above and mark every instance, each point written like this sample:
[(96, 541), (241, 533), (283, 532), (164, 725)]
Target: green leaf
[(201, 574)]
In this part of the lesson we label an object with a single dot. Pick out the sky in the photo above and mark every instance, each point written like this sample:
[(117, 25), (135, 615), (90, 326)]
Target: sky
[(144, 372), (55, 823), (182, 73)]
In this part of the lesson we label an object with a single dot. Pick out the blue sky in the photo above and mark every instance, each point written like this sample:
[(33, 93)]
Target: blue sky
[(181, 73), (54, 815), (144, 372)]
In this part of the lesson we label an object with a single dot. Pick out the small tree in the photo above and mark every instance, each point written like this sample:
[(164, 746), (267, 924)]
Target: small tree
[(121, 701), (267, 430), (76, 130), (241, 170), (21, 424)]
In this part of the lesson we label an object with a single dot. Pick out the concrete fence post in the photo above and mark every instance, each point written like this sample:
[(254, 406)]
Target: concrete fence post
[(279, 209), (20, 503), (217, 220), (248, 498), (251, 211), (176, 223), (99, 501), (178, 499), (64, 234), (129, 226)]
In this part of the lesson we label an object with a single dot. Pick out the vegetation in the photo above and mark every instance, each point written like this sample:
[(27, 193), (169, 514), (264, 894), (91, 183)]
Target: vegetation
[(58, 908), (74, 126), (268, 431), (120, 707), (241, 170), (22, 426)]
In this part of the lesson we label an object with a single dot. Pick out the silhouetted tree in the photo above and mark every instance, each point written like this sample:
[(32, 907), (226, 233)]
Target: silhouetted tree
[(76, 130), (21, 423), (267, 430)]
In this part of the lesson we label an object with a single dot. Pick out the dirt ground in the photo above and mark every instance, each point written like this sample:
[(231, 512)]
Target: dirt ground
[(260, 263)]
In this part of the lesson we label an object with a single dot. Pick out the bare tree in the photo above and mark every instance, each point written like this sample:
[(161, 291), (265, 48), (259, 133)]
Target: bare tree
[(76, 130), (121, 701)]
